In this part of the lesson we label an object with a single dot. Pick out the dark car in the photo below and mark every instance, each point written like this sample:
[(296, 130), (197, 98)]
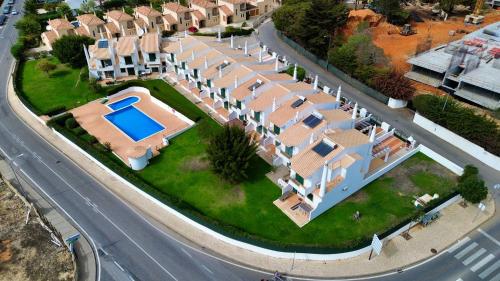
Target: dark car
[(6, 9), (3, 19)]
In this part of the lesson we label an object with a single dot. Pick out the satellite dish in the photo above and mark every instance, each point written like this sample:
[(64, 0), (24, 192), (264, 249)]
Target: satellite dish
[(141, 32)]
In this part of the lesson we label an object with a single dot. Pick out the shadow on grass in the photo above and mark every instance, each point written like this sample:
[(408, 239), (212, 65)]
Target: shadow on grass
[(59, 73)]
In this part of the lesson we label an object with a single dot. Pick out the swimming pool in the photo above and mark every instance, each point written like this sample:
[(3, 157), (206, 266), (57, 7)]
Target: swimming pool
[(134, 123), (123, 103)]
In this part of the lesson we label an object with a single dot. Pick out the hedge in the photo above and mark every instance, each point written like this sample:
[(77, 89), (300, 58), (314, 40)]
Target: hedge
[(463, 121)]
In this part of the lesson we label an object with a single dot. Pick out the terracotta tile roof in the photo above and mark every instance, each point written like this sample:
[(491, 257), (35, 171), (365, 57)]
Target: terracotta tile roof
[(286, 112), (60, 24), (334, 115), (198, 14), (321, 97), (243, 90), (262, 66), (307, 162), (174, 46), (348, 138), (299, 86), (150, 43), (188, 53), (119, 15), (212, 71), (199, 62), (174, 7), (204, 3), (89, 19), (298, 133), (125, 45), (234, 1), (345, 161), (147, 11), (228, 79), (111, 27), (51, 36), (140, 22), (278, 77), (99, 53), (82, 31), (226, 10), (169, 19), (265, 100)]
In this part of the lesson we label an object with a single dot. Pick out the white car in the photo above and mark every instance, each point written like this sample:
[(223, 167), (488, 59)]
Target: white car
[(15, 12)]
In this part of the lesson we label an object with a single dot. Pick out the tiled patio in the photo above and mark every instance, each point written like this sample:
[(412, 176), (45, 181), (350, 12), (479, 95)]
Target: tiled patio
[(297, 216), (91, 118)]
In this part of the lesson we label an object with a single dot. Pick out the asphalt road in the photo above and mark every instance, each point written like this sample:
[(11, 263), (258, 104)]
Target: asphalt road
[(446, 266), (130, 244)]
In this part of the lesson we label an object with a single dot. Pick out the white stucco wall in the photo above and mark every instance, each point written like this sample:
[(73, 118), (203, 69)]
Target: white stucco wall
[(466, 146)]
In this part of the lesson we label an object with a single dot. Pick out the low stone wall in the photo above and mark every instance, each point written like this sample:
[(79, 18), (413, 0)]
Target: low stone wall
[(466, 146)]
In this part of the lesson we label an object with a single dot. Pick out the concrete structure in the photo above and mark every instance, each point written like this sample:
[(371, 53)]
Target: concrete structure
[(468, 68)]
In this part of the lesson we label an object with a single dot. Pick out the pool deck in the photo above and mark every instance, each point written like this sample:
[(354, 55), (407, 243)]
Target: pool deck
[(91, 117)]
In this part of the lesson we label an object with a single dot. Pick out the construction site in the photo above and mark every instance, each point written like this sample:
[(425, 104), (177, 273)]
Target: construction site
[(428, 29)]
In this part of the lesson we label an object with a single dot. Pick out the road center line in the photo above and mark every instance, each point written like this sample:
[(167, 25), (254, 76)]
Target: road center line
[(489, 237)]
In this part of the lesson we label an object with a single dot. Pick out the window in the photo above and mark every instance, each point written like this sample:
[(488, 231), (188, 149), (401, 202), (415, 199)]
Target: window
[(106, 63), (198, 84), (128, 60), (151, 56), (209, 83), (299, 179), (238, 104), (310, 196), (195, 73), (215, 11), (256, 116), (223, 92), (276, 130), (172, 57), (183, 65), (130, 24), (93, 33), (259, 129), (123, 70), (242, 117), (226, 104), (212, 95), (158, 20), (289, 150), (277, 143), (176, 68)]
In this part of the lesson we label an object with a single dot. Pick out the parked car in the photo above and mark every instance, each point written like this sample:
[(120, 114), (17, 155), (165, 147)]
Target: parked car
[(6, 9), (11, 2), (3, 19), (14, 11)]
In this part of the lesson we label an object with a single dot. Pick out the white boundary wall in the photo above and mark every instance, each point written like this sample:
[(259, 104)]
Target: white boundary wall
[(441, 160), (246, 246), (466, 146)]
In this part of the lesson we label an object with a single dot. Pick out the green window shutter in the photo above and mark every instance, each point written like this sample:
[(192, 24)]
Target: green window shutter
[(259, 129), (276, 130), (195, 72), (257, 116), (212, 95), (172, 57), (198, 84), (226, 104), (223, 92), (289, 150), (238, 104), (299, 178), (209, 83)]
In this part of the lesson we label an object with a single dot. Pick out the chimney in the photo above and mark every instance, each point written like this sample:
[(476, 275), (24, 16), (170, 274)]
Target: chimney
[(206, 62), (295, 72), (276, 65), (260, 55), (236, 81), (315, 87), (372, 134), (355, 111), (338, 93), (232, 41), (246, 47)]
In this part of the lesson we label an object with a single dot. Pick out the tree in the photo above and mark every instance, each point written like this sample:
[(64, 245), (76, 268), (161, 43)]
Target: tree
[(64, 10), (301, 72), (447, 5), (30, 7), (69, 49), (88, 6), (469, 170), (17, 50), (472, 189), (392, 10), (28, 25), (230, 153), (394, 85), (46, 66)]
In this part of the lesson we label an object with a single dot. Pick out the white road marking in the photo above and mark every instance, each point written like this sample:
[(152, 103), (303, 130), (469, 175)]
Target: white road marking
[(74, 221), (458, 244), (496, 278), (186, 252), (206, 268), (489, 270), (482, 262), (460, 279), (474, 256), (5, 154), (464, 252), (489, 237)]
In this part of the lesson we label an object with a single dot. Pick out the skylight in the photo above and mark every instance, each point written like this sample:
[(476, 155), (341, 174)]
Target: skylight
[(323, 148), (312, 121)]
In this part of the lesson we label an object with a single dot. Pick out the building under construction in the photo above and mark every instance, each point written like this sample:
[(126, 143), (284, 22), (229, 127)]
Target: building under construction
[(468, 68)]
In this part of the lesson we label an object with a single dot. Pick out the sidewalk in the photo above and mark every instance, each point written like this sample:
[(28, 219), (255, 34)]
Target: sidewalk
[(454, 223), (84, 256)]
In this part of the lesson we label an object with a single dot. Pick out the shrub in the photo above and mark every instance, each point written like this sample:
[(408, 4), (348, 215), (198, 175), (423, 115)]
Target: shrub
[(46, 66), (472, 189), (469, 170), (394, 85), (88, 138), (95, 86), (463, 121), (70, 123), (167, 33), (17, 50), (56, 110), (69, 49), (301, 72), (230, 152), (78, 131)]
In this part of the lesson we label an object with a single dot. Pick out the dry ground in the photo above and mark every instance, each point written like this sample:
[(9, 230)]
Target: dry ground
[(26, 251)]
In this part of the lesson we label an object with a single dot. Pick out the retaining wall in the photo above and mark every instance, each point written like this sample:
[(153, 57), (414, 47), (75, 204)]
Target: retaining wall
[(466, 146)]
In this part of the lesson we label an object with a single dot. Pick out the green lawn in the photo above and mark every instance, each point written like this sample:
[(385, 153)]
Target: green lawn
[(181, 171), (61, 88)]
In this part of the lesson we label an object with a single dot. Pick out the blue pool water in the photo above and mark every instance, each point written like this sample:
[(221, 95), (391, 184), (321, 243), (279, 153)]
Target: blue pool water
[(123, 103), (134, 123)]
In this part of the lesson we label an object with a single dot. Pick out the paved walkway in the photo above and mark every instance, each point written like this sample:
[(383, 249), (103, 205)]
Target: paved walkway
[(398, 253)]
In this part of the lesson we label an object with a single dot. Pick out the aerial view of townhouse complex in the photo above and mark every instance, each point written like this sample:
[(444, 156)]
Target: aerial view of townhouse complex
[(250, 140)]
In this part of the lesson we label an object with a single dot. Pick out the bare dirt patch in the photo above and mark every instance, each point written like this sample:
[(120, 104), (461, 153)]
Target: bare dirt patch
[(26, 250), (233, 196), (198, 163), (358, 197)]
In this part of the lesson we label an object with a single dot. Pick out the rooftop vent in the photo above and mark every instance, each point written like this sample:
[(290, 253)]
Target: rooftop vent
[(323, 148), (223, 65), (312, 121)]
